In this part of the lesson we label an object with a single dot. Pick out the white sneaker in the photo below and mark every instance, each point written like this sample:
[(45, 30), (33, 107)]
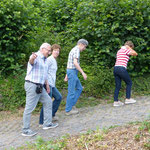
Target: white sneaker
[(117, 104), (130, 101)]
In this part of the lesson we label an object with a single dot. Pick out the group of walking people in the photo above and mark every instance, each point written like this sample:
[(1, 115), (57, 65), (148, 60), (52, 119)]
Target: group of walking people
[(40, 82)]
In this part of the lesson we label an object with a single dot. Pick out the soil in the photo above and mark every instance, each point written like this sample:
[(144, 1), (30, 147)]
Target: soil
[(100, 116)]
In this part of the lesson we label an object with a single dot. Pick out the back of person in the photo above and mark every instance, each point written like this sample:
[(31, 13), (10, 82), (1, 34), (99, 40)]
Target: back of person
[(122, 57)]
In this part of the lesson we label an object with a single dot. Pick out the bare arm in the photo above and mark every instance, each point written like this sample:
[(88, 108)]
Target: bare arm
[(132, 52), (75, 61)]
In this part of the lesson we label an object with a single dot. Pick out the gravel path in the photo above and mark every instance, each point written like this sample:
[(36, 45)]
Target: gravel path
[(89, 118)]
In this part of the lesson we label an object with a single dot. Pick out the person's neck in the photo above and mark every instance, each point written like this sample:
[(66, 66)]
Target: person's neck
[(54, 56)]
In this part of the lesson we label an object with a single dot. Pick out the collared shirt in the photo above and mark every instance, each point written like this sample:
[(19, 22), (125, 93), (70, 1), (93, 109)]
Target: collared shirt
[(52, 69), (74, 53), (37, 72), (123, 57)]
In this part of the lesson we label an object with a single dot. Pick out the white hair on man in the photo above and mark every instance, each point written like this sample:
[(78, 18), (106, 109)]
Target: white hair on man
[(44, 45)]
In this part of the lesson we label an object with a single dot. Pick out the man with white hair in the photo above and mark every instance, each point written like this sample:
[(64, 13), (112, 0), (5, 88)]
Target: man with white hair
[(36, 77), (74, 84)]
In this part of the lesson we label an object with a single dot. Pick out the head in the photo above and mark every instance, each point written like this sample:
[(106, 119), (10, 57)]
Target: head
[(55, 50), (45, 49), (130, 44), (82, 44)]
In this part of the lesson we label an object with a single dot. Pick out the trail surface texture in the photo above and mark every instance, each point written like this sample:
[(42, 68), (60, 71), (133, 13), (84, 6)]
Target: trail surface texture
[(100, 116)]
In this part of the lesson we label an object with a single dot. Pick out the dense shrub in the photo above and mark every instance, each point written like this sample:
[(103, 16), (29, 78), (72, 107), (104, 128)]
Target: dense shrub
[(106, 24), (12, 92), (18, 19)]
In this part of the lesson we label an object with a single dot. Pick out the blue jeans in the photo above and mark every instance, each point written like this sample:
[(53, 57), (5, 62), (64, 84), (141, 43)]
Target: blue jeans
[(120, 74), (32, 99), (57, 99), (74, 89)]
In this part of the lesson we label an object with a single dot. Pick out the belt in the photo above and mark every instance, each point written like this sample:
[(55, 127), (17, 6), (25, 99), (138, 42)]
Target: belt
[(33, 82)]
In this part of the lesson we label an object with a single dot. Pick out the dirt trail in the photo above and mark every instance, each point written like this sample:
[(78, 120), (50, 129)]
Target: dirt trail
[(103, 115)]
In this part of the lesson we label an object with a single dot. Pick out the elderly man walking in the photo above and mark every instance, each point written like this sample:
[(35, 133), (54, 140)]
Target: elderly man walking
[(36, 77), (74, 84)]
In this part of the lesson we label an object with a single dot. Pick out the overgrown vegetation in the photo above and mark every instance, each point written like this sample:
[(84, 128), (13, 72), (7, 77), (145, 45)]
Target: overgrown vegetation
[(97, 89), (135, 135), (106, 24)]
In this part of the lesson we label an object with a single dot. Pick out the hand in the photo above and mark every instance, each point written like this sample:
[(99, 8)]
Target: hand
[(47, 88), (34, 56), (84, 76), (66, 78)]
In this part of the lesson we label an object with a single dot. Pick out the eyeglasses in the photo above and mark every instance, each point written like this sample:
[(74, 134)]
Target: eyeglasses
[(49, 50)]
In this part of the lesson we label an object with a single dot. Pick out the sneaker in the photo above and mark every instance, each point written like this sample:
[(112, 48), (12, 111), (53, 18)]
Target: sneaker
[(130, 101), (50, 126), (72, 112), (55, 118), (117, 104), (29, 133)]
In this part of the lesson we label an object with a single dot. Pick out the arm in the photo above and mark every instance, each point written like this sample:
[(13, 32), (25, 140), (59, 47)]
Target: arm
[(32, 58), (47, 86), (66, 78), (132, 52), (75, 61)]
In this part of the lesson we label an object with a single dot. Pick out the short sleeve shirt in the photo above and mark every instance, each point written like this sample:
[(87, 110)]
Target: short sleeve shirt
[(74, 53), (122, 57), (37, 72)]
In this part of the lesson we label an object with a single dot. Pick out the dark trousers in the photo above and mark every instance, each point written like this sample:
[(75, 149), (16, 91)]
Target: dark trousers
[(120, 74)]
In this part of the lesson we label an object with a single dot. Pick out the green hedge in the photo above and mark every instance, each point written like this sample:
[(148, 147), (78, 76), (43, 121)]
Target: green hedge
[(106, 24), (18, 19)]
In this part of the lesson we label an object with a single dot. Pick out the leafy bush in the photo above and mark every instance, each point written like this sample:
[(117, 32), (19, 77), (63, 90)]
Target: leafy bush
[(12, 92), (108, 24), (100, 82), (18, 19)]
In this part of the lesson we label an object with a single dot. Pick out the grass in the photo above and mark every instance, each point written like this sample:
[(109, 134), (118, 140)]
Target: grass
[(132, 136)]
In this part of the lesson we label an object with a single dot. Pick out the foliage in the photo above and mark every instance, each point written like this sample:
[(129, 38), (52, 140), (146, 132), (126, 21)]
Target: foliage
[(99, 81), (106, 24), (18, 19), (12, 92), (98, 88), (112, 138)]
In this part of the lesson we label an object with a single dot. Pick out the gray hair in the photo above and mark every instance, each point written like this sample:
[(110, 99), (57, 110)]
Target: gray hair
[(83, 41), (45, 45)]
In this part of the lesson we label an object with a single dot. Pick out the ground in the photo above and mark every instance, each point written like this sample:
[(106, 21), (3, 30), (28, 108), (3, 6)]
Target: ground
[(100, 116)]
